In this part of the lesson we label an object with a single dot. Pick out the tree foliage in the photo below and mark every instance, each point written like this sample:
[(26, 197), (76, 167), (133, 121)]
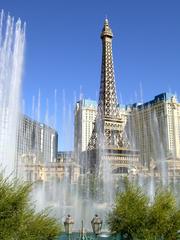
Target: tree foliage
[(129, 211), (164, 216), (18, 219), (134, 216)]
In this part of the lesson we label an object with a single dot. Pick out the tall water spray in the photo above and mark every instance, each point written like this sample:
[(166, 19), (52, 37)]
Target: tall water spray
[(12, 41)]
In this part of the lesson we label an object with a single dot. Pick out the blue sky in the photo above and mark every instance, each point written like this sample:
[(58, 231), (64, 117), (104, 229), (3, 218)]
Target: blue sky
[(63, 51)]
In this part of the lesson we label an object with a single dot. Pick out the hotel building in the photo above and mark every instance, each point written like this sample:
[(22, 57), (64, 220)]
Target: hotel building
[(37, 139), (154, 129), (84, 117)]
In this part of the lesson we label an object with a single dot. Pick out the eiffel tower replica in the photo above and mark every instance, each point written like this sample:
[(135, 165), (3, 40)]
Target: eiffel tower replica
[(108, 139)]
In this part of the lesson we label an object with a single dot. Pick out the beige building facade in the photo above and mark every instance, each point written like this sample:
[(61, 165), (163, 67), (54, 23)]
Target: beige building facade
[(85, 114), (154, 129), (52, 171)]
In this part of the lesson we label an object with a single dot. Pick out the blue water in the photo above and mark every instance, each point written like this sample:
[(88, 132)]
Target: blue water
[(90, 236)]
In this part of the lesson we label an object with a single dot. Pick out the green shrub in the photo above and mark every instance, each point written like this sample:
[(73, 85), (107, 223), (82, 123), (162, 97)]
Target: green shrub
[(18, 219), (134, 216)]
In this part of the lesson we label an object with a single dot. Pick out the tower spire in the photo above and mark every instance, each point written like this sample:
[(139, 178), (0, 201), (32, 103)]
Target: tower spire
[(108, 139), (107, 97), (108, 125), (106, 31)]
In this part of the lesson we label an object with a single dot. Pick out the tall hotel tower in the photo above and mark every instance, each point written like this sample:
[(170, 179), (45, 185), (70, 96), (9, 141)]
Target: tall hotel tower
[(154, 127), (84, 117)]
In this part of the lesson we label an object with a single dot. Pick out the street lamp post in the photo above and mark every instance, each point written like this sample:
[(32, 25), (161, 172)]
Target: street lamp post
[(96, 224), (68, 224)]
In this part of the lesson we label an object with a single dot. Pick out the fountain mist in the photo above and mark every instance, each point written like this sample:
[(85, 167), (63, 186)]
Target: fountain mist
[(12, 41)]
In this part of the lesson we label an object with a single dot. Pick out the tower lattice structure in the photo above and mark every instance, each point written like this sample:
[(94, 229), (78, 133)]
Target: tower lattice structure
[(108, 129)]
